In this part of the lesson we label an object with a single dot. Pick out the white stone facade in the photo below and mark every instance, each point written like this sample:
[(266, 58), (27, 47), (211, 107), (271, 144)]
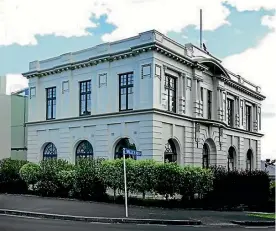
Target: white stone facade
[(193, 119)]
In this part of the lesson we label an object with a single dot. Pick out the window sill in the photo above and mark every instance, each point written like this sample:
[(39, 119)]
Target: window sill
[(50, 119), (125, 110)]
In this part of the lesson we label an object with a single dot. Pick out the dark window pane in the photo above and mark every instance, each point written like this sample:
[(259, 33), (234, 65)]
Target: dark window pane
[(50, 151), (126, 90)]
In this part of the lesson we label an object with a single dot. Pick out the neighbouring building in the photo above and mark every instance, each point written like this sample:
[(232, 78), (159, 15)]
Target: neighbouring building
[(270, 169), (173, 102), (5, 120), (19, 116), (13, 118)]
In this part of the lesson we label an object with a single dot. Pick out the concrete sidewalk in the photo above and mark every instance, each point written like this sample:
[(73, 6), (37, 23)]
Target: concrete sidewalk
[(94, 209)]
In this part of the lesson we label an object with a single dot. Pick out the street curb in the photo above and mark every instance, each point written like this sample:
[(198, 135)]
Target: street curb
[(100, 219), (254, 223)]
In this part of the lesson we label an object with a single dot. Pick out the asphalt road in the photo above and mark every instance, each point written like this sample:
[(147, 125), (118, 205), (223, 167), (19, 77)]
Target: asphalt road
[(93, 209), (11, 223)]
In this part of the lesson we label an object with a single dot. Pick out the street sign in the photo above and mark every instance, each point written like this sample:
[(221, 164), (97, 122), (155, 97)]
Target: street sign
[(127, 151), (132, 152)]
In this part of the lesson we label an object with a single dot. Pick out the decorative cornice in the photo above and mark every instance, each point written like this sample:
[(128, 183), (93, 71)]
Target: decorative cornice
[(144, 111), (244, 89), (153, 46)]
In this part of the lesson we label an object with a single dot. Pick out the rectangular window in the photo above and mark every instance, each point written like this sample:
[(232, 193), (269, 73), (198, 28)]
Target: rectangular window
[(248, 117), (126, 84), (85, 98), (32, 92), (65, 86), (201, 94), (50, 103), (170, 87), (209, 104), (230, 112)]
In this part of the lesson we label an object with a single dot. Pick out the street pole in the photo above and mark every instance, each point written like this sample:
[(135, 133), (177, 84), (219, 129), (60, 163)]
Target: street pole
[(125, 180)]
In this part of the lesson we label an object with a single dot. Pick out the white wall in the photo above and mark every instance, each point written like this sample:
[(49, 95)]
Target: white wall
[(105, 99)]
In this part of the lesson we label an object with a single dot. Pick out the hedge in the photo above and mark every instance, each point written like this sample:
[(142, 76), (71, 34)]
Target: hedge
[(10, 180), (90, 179)]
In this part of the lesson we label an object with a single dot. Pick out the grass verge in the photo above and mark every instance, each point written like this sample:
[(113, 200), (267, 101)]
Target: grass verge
[(263, 215)]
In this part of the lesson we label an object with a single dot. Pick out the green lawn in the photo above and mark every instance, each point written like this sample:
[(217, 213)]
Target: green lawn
[(263, 215)]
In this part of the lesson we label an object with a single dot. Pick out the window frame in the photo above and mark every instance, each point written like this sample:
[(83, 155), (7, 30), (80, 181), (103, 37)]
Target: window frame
[(230, 112), (85, 93), (53, 100), (127, 86), (53, 151), (248, 117), (210, 103), (205, 156), (88, 151), (168, 89)]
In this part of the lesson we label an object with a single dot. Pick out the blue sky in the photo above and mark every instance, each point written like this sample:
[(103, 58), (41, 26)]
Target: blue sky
[(240, 32)]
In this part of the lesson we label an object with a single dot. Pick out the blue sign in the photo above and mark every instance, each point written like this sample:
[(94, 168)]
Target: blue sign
[(132, 152)]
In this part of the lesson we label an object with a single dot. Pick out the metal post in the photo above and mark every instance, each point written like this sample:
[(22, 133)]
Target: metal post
[(200, 28), (125, 180)]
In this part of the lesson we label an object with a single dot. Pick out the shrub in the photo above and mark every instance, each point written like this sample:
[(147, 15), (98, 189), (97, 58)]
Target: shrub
[(30, 173), (88, 184), (10, 180), (168, 178), (145, 176), (195, 180), (66, 181), (239, 187), (112, 175), (46, 188), (49, 176)]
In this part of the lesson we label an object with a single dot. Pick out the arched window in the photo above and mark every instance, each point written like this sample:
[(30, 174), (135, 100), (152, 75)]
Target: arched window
[(231, 158), (84, 150), (50, 151), (205, 156), (124, 143), (249, 160), (170, 154)]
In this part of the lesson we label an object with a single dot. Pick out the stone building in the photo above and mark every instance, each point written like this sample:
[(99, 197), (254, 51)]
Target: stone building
[(172, 102)]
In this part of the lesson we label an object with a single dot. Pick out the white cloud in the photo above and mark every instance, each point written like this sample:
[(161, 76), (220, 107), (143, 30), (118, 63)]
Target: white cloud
[(257, 64), (244, 5), (15, 82), (22, 20), (162, 15)]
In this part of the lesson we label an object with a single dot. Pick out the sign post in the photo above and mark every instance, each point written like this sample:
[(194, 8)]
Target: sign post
[(128, 152)]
